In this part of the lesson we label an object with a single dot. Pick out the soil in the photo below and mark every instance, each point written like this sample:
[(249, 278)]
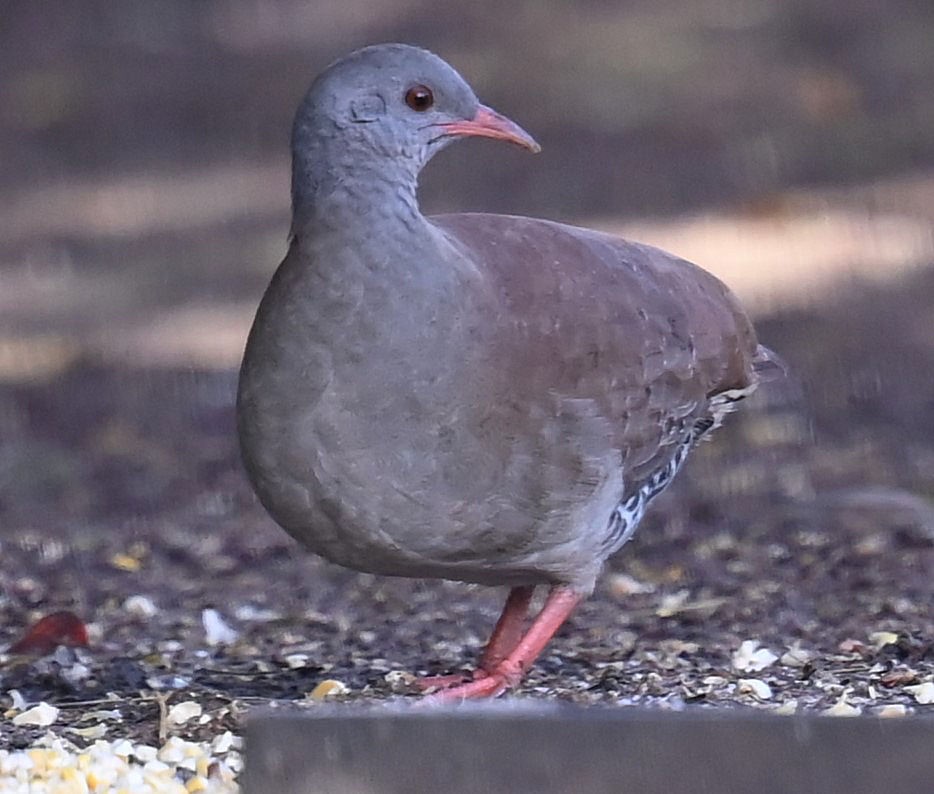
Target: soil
[(804, 525), (803, 531)]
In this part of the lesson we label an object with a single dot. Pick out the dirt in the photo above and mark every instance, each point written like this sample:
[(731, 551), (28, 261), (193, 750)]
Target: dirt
[(134, 205), (805, 525)]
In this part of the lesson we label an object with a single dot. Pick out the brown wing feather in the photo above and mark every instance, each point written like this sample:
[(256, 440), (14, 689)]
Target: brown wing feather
[(628, 335)]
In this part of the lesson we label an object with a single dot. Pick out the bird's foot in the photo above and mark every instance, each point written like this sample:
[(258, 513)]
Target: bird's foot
[(484, 685), (501, 670), (505, 637)]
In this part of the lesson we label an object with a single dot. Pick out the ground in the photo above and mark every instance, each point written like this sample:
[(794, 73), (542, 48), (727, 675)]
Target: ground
[(799, 527), (785, 146)]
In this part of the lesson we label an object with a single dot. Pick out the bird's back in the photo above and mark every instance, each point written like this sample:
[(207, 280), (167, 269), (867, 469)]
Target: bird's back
[(588, 324)]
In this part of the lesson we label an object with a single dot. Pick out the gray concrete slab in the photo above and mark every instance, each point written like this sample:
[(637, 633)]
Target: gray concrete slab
[(505, 747)]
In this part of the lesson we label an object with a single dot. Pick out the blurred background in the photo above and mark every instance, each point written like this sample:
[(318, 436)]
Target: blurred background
[(785, 145)]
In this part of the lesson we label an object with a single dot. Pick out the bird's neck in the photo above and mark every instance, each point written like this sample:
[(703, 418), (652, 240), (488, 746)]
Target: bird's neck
[(347, 189)]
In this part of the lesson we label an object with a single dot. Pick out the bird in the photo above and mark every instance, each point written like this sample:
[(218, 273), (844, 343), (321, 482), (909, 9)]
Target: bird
[(475, 397)]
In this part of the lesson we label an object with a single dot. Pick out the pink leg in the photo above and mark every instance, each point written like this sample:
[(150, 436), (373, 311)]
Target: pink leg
[(504, 638), (508, 629), (508, 673)]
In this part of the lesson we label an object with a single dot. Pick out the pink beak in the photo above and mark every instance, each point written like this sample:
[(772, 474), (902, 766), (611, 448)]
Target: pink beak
[(487, 123)]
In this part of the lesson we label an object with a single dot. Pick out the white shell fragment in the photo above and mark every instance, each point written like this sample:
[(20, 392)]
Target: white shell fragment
[(842, 709), (796, 657), (96, 731), (399, 679), (249, 612), (163, 682), (756, 687), (892, 710), (41, 715), (140, 606), (750, 658), (181, 713), (788, 708), (672, 603), (880, 639), (216, 629), (19, 702), (104, 714), (622, 584), (225, 741), (923, 693)]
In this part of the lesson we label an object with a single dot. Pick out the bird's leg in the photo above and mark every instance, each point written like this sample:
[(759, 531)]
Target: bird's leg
[(505, 637), (508, 630), (508, 673)]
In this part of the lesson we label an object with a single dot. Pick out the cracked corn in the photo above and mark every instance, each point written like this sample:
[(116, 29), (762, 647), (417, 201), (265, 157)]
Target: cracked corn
[(56, 766)]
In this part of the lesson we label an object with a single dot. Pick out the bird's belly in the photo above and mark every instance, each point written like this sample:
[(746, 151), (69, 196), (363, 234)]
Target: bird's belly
[(415, 490)]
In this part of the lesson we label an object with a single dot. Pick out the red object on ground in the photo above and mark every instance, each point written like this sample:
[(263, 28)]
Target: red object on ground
[(46, 634)]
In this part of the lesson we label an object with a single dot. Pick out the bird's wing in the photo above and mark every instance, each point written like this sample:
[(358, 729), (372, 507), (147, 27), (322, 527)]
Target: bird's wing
[(623, 335)]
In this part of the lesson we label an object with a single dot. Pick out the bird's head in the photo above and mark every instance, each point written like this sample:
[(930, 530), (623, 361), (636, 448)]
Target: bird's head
[(386, 110)]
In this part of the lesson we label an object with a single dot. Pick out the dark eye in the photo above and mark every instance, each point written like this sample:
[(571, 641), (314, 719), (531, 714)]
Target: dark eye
[(419, 97)]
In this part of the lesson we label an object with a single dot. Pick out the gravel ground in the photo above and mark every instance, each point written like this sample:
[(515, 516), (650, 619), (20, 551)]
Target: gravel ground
[(790, 567)]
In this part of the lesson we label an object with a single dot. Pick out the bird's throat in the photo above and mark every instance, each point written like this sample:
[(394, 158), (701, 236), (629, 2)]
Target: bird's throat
[(353, 190)]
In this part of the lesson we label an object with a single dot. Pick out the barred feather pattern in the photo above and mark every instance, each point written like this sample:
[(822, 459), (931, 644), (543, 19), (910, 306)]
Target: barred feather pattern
[(629, 512)]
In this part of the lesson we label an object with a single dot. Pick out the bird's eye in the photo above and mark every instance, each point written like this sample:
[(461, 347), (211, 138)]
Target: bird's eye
[(419, 97)]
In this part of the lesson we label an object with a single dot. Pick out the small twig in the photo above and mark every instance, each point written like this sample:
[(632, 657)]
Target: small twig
[(238, 674), (162, 699), (80, 704)]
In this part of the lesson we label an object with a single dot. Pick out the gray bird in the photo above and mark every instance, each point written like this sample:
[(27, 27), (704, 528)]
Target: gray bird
[(483, 398)]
